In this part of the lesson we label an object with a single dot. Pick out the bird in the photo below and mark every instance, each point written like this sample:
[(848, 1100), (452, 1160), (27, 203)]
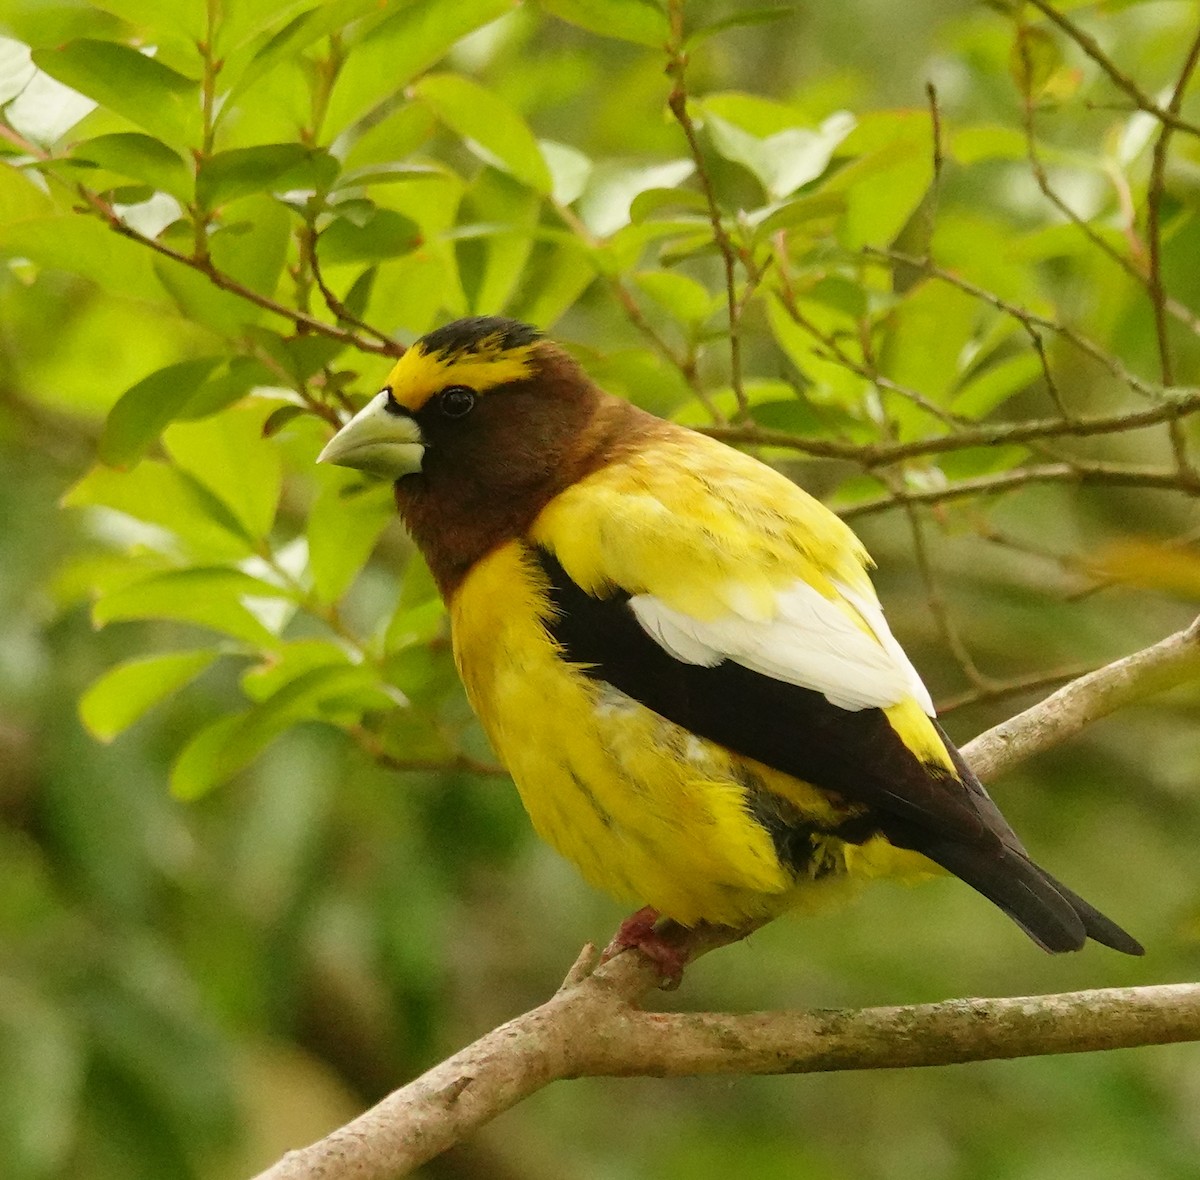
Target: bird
[(677, 653)]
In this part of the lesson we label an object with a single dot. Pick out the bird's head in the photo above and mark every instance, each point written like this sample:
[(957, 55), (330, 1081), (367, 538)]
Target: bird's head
[(443, 396), (480, 424)]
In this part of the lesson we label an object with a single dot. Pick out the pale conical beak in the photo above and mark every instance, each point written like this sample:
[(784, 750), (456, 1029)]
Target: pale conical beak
[(377, 440)]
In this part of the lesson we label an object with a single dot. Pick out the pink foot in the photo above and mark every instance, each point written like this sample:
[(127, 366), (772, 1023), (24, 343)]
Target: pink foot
[(639, 930)]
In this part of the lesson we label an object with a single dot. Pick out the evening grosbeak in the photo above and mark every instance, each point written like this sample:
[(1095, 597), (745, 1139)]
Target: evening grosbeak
[(675, 651)]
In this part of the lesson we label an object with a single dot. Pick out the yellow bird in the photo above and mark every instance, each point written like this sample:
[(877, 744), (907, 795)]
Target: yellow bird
[(676, 652)]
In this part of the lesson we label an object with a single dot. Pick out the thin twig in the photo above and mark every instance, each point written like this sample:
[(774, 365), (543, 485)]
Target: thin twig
[(730, 256), (1154, 279), (996, 690), (1059, 717), (225, 282), (1001, 434), (1091, 47), (1031, 321), (936, 600), (1077, 471)]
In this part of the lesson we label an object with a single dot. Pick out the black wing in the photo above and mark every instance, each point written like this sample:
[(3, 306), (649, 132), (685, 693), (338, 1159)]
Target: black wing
[(855, 754)]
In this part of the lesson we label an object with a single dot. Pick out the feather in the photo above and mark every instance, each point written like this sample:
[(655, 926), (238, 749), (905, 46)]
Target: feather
[(811, 642)]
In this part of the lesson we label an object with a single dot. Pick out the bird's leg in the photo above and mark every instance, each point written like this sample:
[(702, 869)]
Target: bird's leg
[(640, 930)]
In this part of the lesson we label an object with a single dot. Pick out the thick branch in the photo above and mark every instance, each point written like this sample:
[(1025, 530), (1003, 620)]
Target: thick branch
[(593, 1025), (591, 1028)]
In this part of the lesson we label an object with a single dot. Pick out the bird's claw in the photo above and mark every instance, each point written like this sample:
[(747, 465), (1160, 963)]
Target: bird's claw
[(640, 930)]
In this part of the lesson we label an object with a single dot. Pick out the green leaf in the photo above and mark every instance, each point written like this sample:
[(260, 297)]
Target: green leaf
[(300, 31), (148, 93), (82, 246), (996, 384), (750, 16), (291, 660), (786, 160), (607, 202), (492, 128), (642, 21), (199, 302), (813, 212), (1036, 57), (569, 170), (221, 749), (203, 762), (253, 251), (130, 153), (125, 693), (160, 495), (145, 409), (493, 266), (554, 280), (683, 297), (413, 39), (229, 456), (383, 234), (926, 341), (269, 167), (20, 198), (988, 141), (210, 597), (887, 181), (343, 531), (230, 383)]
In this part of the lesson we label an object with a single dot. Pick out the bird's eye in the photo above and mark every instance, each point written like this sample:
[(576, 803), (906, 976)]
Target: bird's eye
[(457, 401)]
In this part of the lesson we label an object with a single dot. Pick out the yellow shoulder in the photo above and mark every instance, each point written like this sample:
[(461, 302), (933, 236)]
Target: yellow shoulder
[(701, 526)]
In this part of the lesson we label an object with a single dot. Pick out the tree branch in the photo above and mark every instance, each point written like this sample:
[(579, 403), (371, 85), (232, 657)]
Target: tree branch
[(593, 1025)]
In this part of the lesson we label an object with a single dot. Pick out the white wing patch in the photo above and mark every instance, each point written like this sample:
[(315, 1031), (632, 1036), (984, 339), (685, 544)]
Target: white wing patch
[(811, 642)]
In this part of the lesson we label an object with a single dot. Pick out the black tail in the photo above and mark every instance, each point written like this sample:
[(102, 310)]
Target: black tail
[(1055, 917)]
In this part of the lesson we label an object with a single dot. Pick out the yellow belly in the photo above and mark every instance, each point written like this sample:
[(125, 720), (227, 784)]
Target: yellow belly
[(648, 812)]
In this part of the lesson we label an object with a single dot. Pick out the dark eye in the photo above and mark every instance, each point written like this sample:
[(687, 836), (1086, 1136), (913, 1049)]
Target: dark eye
[(457, 401)]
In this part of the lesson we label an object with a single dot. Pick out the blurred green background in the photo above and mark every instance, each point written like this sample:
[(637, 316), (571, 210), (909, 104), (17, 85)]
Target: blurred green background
[(188, 987)]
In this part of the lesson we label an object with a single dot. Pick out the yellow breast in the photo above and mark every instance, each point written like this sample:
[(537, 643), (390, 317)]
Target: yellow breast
[(647, 811)]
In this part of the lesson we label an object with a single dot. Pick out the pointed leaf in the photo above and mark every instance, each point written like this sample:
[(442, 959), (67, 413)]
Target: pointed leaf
[(125, 693), (130, 153), (343, 531), (145, 409), (642, 21), (269, 167), (228, 454), (488, 123), (206, 597), (148, 93), (412, 39), (158, 494)]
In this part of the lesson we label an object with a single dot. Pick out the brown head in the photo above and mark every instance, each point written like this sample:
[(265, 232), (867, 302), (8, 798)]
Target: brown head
[(481, 423)]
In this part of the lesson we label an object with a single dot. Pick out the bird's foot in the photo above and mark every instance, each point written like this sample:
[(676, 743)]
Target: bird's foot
[(640, 930)]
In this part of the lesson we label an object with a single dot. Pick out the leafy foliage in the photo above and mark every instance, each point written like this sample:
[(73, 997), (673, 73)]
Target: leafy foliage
[(219, 221)]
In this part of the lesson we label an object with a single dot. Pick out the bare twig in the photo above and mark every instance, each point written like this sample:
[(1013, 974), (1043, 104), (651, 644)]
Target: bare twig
[(1154, 280), (999, 690), (730, 255), (1075, 471), (1059, 717), (218, 278), (1091, 47)]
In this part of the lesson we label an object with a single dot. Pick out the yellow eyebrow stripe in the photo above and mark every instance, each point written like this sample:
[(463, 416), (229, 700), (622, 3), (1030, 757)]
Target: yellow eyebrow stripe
[(418, 375)]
